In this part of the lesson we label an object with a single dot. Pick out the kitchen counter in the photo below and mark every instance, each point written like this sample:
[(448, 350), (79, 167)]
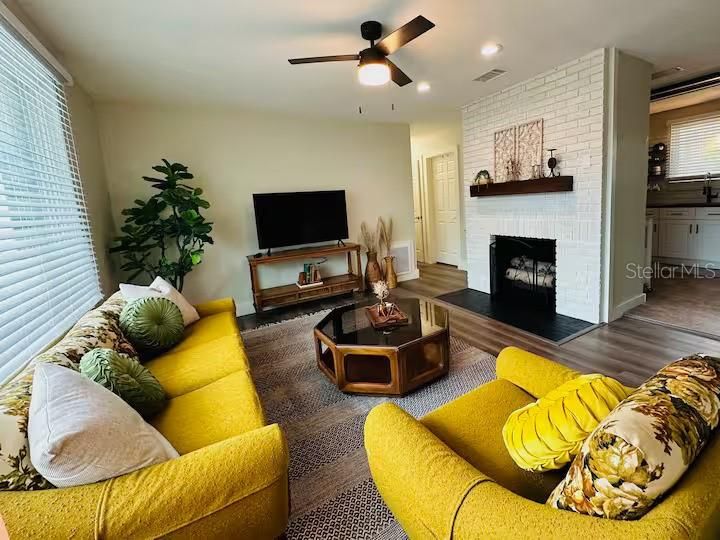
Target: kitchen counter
[(684, 205)]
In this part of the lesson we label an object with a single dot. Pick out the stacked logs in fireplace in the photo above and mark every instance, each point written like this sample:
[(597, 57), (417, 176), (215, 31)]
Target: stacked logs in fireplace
[(522, 271)]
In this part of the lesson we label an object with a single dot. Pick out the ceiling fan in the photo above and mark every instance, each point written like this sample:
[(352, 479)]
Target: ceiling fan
[(374, 68)]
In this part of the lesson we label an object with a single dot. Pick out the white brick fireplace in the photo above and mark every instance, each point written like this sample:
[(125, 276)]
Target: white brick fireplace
[(570, 99)]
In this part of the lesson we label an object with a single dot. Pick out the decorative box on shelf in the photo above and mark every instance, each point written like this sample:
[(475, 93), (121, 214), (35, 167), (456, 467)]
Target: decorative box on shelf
[(550, 184)]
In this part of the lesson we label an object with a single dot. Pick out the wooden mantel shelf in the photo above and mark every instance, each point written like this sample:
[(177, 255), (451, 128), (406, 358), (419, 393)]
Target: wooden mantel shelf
[(520, 187)]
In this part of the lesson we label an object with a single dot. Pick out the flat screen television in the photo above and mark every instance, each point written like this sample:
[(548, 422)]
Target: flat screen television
[(305, 217)]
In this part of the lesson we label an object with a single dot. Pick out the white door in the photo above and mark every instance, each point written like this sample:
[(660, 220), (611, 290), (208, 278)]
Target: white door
[(707, 241), (675, 238), (417, 212), (445, 208)]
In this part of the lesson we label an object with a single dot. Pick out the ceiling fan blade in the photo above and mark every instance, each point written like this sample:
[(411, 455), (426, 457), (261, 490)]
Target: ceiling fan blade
[(316, 59), (392, 42), (398, 75)]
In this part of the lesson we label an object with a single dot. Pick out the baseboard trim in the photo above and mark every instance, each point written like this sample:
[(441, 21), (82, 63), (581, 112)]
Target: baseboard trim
[(407, 276), (627, 305), (244, 308)]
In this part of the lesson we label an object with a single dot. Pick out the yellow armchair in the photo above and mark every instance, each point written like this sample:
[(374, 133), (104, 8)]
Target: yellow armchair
[(430, 472)]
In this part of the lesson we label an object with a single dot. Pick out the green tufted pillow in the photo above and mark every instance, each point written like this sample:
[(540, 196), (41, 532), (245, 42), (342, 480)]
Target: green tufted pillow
[(125, 377), (152, 324)]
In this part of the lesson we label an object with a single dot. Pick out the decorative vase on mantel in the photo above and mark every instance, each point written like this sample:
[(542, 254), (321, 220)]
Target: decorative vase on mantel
[(373, 272), (390, 275)]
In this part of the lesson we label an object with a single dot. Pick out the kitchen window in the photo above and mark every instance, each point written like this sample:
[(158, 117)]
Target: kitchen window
[(48, 274), (694, 148)]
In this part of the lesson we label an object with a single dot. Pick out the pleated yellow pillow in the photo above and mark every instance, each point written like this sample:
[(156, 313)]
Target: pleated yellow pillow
[(547, 434)]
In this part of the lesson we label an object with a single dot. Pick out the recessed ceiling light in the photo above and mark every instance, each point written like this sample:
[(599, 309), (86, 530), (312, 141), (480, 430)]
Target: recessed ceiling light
[(490, 49), (423, 87)]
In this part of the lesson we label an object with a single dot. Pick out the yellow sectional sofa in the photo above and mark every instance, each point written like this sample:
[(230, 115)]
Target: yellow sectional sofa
[(230, 481), (449, 474)]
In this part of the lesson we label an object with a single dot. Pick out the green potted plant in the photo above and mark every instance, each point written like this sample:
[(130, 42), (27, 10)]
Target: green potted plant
[(165, 235)]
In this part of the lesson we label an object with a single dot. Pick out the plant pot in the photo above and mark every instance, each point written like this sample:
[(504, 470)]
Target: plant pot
[(373, 272), (390, 275)]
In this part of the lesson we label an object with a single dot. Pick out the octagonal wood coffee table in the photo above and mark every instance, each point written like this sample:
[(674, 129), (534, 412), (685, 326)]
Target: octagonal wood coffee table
[(393, 362)]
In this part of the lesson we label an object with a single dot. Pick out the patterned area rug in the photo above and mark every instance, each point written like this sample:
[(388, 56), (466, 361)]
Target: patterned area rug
[(333, 495)]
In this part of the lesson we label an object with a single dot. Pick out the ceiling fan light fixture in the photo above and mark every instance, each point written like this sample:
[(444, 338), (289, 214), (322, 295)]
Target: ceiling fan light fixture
[(373, 69), (374, 74)]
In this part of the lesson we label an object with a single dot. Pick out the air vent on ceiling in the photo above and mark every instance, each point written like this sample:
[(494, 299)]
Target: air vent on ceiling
[(667, 72), (490, 75)]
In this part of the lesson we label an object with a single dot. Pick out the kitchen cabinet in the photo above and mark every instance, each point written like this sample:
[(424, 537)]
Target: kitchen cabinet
[(688, 234), (706, 242), (676, 239)]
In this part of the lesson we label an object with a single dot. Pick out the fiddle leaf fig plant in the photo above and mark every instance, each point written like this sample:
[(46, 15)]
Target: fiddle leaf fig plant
[(166, 235)]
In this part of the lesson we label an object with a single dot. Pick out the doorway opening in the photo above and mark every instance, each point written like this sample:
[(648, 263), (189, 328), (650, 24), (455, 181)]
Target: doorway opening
[(682, 239), (437, 198)]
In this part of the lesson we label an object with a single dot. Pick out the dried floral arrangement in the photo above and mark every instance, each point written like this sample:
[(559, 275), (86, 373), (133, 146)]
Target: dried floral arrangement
[(368, 238), (385, 234), (384, 314)]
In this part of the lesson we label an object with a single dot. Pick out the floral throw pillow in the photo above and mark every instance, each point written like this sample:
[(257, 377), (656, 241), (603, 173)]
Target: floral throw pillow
[(646, 444), (98, 328)]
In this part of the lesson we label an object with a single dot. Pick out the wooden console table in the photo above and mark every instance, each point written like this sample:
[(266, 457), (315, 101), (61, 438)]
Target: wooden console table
[(285, 295)]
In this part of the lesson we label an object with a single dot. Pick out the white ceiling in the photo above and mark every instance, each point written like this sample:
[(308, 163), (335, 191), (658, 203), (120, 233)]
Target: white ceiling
[(234, 52)]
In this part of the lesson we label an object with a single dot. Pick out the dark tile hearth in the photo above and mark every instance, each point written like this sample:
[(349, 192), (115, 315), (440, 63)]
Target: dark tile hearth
[(552, 326)]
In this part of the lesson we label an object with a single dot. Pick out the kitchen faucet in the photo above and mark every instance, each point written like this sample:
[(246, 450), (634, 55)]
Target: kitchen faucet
[(707, 189)]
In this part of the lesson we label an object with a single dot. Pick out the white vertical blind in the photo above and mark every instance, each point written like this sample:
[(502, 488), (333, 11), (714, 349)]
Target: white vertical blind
[(694, 147), (48, 273)]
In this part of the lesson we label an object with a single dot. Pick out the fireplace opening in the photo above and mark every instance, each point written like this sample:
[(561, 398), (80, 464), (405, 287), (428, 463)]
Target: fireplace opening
[(522, 272)]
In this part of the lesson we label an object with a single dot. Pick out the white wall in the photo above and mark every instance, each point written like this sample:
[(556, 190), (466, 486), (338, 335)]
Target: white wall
[(92, 173), (235, 153), (629, 103), (570, 99)]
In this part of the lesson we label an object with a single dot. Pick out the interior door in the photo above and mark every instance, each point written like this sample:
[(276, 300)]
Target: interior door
[(675, 238), (445, 208), (417, 212)]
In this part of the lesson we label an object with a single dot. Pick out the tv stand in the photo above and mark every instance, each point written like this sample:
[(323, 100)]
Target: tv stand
[(341, 243), (286, 295)]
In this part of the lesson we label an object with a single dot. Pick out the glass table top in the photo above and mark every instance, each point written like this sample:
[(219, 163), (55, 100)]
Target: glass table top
[(349, 325)]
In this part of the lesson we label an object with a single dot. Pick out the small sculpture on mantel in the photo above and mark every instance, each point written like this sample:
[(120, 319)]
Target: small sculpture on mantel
[(483, 177), (552, 162)]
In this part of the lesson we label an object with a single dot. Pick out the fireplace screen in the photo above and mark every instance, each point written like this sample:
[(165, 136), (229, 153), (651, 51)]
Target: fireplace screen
[(522, 270)]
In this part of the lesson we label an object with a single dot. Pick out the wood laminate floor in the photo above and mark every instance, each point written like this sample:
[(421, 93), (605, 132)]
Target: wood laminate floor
[(629, 350), (686, 303)]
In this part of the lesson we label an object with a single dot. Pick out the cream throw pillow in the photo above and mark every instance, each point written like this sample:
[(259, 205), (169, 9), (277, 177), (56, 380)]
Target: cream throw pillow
[(81, 433), (161, 288)]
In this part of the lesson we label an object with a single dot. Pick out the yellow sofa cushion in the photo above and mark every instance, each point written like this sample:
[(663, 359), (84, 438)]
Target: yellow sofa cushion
[(547, 434), (207, 329), (186, 370), (235, 486), (222, 409), (472, 426)]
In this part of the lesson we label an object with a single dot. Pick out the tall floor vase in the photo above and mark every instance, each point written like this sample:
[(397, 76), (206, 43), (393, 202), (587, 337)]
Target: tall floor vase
[(390, 275), (373, 272)]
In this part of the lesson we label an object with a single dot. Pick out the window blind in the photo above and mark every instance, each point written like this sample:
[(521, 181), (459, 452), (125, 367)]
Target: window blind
[(694, 148), (48, 273)]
